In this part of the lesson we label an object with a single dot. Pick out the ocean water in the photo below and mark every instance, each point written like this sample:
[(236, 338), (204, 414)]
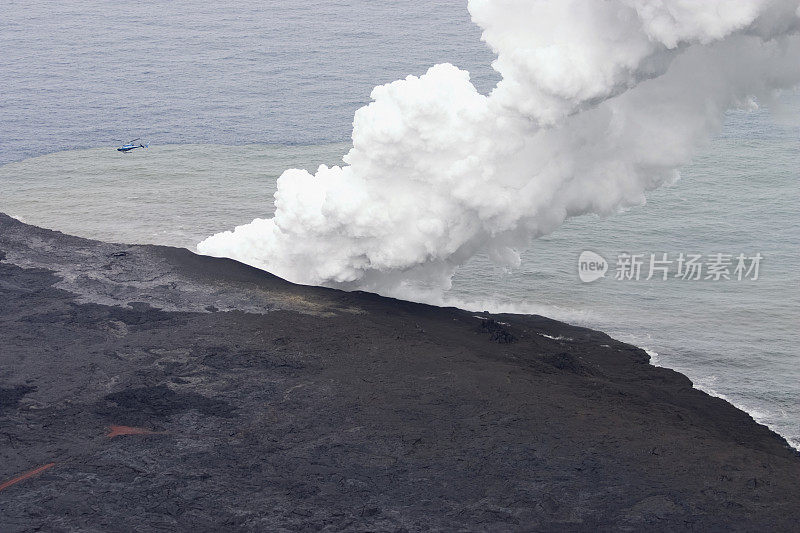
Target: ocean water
[(231, 95), (91, 73)]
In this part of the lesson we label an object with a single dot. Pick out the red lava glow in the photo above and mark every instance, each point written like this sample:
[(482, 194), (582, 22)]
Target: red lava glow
[(25, 476), (117, 431)]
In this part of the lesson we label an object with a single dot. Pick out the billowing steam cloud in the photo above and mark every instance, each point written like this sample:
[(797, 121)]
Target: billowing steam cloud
[(599, 102)]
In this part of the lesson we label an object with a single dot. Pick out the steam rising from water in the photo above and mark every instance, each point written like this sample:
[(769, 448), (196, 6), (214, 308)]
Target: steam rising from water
[(599, 102)]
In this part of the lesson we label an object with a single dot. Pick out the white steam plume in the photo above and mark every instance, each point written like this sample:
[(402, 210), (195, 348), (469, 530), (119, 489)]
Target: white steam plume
[(599, 102)]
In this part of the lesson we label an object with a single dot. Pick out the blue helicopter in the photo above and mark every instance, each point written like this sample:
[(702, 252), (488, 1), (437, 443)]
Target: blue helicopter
[(127, 147)]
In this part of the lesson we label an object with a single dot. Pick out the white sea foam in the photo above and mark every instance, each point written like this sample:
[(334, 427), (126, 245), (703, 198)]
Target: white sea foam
[(655, 359), (556, 338)]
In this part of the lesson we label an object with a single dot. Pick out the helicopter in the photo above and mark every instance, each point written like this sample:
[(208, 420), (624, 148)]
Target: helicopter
[(131, 145)]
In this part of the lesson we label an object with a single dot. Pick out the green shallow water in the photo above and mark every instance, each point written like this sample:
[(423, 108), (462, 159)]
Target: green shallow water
[(173, 195)]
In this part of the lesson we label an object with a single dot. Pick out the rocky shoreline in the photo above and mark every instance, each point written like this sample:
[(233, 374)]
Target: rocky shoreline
[(146, 388)]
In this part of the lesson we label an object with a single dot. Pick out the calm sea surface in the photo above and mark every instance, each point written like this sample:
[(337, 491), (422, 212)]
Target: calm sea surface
[(231, 95)]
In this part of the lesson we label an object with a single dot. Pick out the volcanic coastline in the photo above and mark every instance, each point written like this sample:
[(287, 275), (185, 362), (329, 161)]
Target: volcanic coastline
[(146, 387)]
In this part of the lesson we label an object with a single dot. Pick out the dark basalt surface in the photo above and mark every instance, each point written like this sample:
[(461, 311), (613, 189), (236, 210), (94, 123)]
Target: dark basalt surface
[(267, 406)]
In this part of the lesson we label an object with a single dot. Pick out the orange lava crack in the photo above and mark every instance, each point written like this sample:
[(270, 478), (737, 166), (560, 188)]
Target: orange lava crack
[(25, 476)]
